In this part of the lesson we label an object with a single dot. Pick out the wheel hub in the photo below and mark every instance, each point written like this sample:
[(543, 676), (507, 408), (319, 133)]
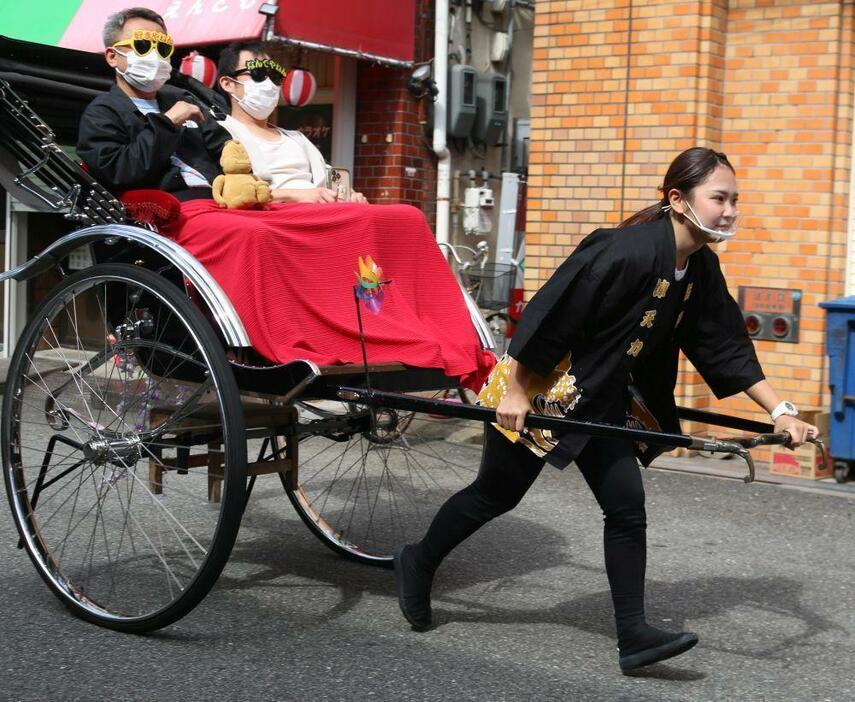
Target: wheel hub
[(141, 325), (386, 419), (386, 428), (123, 452)]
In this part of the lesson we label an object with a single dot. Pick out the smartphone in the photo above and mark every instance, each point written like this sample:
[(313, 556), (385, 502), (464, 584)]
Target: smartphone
[(338, 180)]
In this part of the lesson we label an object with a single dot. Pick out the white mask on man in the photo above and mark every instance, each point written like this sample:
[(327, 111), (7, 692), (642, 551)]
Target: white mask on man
[(259, 99), (146, 73)]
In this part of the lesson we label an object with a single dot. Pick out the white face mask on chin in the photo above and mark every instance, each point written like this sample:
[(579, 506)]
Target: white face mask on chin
[(259, 99), (146, 73), (717, 233)]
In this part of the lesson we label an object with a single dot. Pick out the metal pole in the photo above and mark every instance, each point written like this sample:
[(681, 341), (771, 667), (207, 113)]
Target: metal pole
[(362, 339), (486, 414), (439, 143), (537, 421)]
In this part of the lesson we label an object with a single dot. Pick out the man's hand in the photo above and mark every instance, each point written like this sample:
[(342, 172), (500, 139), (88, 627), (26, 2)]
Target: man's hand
[(181, 111), (512, 411), (304, 195), (799, 431), (358, 197)]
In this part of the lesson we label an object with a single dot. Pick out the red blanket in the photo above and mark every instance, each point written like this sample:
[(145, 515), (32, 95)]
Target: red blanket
[(289, 272)]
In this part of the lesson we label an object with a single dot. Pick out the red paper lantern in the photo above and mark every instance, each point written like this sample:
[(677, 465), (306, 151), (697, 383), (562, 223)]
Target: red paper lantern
[(199, 67), (299, 87)]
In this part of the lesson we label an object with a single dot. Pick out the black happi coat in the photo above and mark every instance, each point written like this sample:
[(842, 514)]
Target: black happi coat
[(615, 306), (125, 149)]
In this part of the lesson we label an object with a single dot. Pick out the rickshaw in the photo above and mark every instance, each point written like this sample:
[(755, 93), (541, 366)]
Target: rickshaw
[(137, 418)]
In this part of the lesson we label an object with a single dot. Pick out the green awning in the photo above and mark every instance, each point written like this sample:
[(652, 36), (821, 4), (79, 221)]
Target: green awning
[(77, 24), (40, 21)]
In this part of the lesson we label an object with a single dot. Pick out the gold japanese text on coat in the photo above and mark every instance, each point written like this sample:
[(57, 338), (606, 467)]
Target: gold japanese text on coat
[(649, 316)]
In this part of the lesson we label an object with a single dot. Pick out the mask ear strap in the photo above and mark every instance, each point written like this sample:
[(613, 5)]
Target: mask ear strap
[(235, 81), (694, 219)]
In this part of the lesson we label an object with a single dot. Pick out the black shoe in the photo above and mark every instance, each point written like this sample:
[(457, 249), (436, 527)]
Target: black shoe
[(659, 646), (413, 586)]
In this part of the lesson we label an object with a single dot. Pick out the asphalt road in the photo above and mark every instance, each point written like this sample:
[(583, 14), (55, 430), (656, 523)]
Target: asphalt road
[(763, 573)]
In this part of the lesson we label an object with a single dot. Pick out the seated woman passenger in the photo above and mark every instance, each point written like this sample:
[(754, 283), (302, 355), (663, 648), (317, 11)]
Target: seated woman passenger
[(286, 159)]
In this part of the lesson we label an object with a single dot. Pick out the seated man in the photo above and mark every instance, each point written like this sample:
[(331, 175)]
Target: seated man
[(143, 134)]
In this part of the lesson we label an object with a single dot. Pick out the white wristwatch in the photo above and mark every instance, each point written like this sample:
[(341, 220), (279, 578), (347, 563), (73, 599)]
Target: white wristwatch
[(783, 408)]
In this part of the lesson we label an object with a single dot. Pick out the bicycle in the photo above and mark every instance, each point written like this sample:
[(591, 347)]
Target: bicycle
[(502, 321), (489, 285)]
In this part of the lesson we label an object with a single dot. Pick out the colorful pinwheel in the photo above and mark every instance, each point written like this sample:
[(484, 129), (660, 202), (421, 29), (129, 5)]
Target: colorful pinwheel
[(370, 288)]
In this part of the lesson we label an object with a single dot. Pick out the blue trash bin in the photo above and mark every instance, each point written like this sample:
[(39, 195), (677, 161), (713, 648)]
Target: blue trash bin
[(840, 346)]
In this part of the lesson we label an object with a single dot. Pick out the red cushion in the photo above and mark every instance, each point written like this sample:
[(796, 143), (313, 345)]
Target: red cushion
[(154, 207)]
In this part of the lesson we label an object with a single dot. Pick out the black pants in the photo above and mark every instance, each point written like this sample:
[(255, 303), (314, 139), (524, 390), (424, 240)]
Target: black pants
[(506, 473)]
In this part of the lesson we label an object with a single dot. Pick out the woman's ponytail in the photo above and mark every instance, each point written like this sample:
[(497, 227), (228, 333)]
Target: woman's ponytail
[(648, 214)]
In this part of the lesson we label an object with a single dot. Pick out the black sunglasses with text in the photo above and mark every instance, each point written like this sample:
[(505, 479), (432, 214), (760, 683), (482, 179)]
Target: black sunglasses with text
[(261, 69)]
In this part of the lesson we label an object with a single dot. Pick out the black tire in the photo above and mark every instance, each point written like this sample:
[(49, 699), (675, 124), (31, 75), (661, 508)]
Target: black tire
[(841, 471), (118, 527), (366, 489)]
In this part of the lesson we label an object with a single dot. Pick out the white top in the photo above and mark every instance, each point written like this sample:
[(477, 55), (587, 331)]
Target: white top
[(680, 274), (292, 161), (192, 177)]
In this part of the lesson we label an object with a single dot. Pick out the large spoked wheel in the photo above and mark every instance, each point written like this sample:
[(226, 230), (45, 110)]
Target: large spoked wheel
[(370, 480), (120, 414)]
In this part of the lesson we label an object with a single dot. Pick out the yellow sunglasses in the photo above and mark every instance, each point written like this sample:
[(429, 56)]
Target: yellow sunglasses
[(144, 40)]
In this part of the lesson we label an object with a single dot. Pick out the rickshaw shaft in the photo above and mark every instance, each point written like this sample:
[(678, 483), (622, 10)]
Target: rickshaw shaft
[(485, 414)]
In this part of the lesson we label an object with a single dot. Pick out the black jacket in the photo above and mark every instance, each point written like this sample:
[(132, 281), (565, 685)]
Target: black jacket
[(125, 149), (597, 306)]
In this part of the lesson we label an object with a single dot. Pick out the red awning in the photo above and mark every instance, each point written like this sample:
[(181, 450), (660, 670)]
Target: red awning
[(376, 29), (382, 30), (190, 22)]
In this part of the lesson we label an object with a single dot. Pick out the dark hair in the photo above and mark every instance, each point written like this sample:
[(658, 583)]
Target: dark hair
[(116, 22), (685, 173), (229, 57)]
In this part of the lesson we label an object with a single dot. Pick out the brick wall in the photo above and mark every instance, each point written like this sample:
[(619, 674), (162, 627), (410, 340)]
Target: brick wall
[(620, 87), (788, 125), (392, 161)]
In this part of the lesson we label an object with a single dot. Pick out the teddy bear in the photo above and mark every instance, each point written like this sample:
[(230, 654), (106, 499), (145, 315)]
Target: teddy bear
[(237, 188)]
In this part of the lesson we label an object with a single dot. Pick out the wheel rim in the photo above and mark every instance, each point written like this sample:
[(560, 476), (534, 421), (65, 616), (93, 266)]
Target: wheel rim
[(92, 448), (368, 487)]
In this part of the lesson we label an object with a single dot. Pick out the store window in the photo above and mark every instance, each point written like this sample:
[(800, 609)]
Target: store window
[(314, 119)]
